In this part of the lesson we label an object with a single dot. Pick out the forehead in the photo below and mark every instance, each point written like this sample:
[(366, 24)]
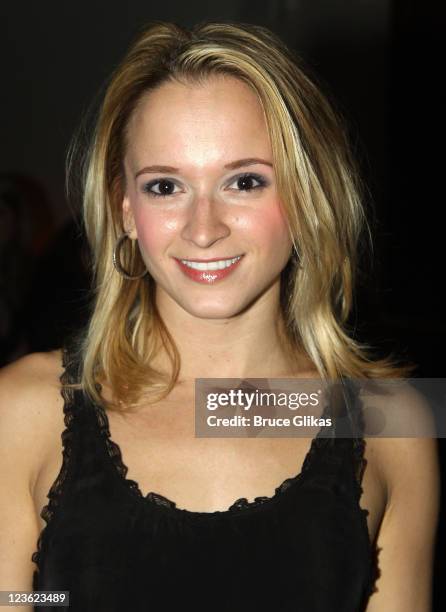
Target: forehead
[(222, 111)]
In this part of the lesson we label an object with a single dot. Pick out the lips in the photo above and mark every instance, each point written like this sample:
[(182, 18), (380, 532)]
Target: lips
[(207, 277)]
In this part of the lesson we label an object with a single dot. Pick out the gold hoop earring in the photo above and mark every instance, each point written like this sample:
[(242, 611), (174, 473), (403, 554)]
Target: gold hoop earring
[(117, 260)]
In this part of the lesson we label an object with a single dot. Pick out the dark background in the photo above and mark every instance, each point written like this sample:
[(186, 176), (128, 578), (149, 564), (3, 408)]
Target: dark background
[(378, 59)]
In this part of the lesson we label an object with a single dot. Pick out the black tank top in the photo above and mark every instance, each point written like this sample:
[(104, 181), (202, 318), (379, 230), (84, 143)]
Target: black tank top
[(306, 548)]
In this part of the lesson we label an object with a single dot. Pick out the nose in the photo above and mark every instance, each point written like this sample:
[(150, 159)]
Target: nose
[(204, 224)]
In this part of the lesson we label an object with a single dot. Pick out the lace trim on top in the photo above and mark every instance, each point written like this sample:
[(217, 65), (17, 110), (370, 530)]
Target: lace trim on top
[(360, 462), (54, 493), (241, 504)]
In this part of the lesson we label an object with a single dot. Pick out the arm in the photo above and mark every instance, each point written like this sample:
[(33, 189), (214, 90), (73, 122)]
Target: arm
[(20, 396), (406, 540)]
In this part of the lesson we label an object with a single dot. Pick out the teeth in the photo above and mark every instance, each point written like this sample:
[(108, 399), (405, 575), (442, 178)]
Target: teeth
[(213, 265)]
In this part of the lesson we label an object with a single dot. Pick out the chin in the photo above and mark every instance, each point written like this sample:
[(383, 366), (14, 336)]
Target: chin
[(212, 310)]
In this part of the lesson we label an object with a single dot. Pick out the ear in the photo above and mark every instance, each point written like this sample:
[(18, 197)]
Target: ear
[(128, 220)]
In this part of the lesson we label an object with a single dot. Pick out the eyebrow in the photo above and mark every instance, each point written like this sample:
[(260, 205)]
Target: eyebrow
[(239, 163)]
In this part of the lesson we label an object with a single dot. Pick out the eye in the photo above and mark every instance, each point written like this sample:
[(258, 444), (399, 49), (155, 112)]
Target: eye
[(165, 187), (245, 182)]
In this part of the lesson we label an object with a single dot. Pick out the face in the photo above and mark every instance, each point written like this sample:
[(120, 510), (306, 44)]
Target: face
[(200, 186)]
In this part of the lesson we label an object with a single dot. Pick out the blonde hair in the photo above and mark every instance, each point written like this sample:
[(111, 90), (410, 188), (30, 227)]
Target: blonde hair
[(316, 179)]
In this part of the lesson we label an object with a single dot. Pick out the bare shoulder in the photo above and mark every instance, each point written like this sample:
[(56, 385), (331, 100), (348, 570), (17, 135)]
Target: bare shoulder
[(409, 463), (27, 383), (30, 406), (31, 366), (30, 419)]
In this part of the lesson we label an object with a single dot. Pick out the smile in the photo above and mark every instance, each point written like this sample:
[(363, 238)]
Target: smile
[(210, 265), (208, 272)]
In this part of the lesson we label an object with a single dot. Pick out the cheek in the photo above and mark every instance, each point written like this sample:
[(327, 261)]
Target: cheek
[(269, 228), (155, 231)]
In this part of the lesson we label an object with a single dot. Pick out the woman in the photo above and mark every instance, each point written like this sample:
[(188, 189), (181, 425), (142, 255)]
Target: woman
[(211, 144)]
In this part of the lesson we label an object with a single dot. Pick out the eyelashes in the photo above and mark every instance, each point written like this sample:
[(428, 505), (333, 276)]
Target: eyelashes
[(147, 187), (246, 178)]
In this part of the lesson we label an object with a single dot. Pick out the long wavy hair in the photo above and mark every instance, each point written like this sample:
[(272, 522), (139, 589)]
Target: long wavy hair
[(318, 183)]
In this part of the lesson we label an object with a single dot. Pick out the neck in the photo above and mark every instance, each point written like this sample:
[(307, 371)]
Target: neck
[(251, 344)]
